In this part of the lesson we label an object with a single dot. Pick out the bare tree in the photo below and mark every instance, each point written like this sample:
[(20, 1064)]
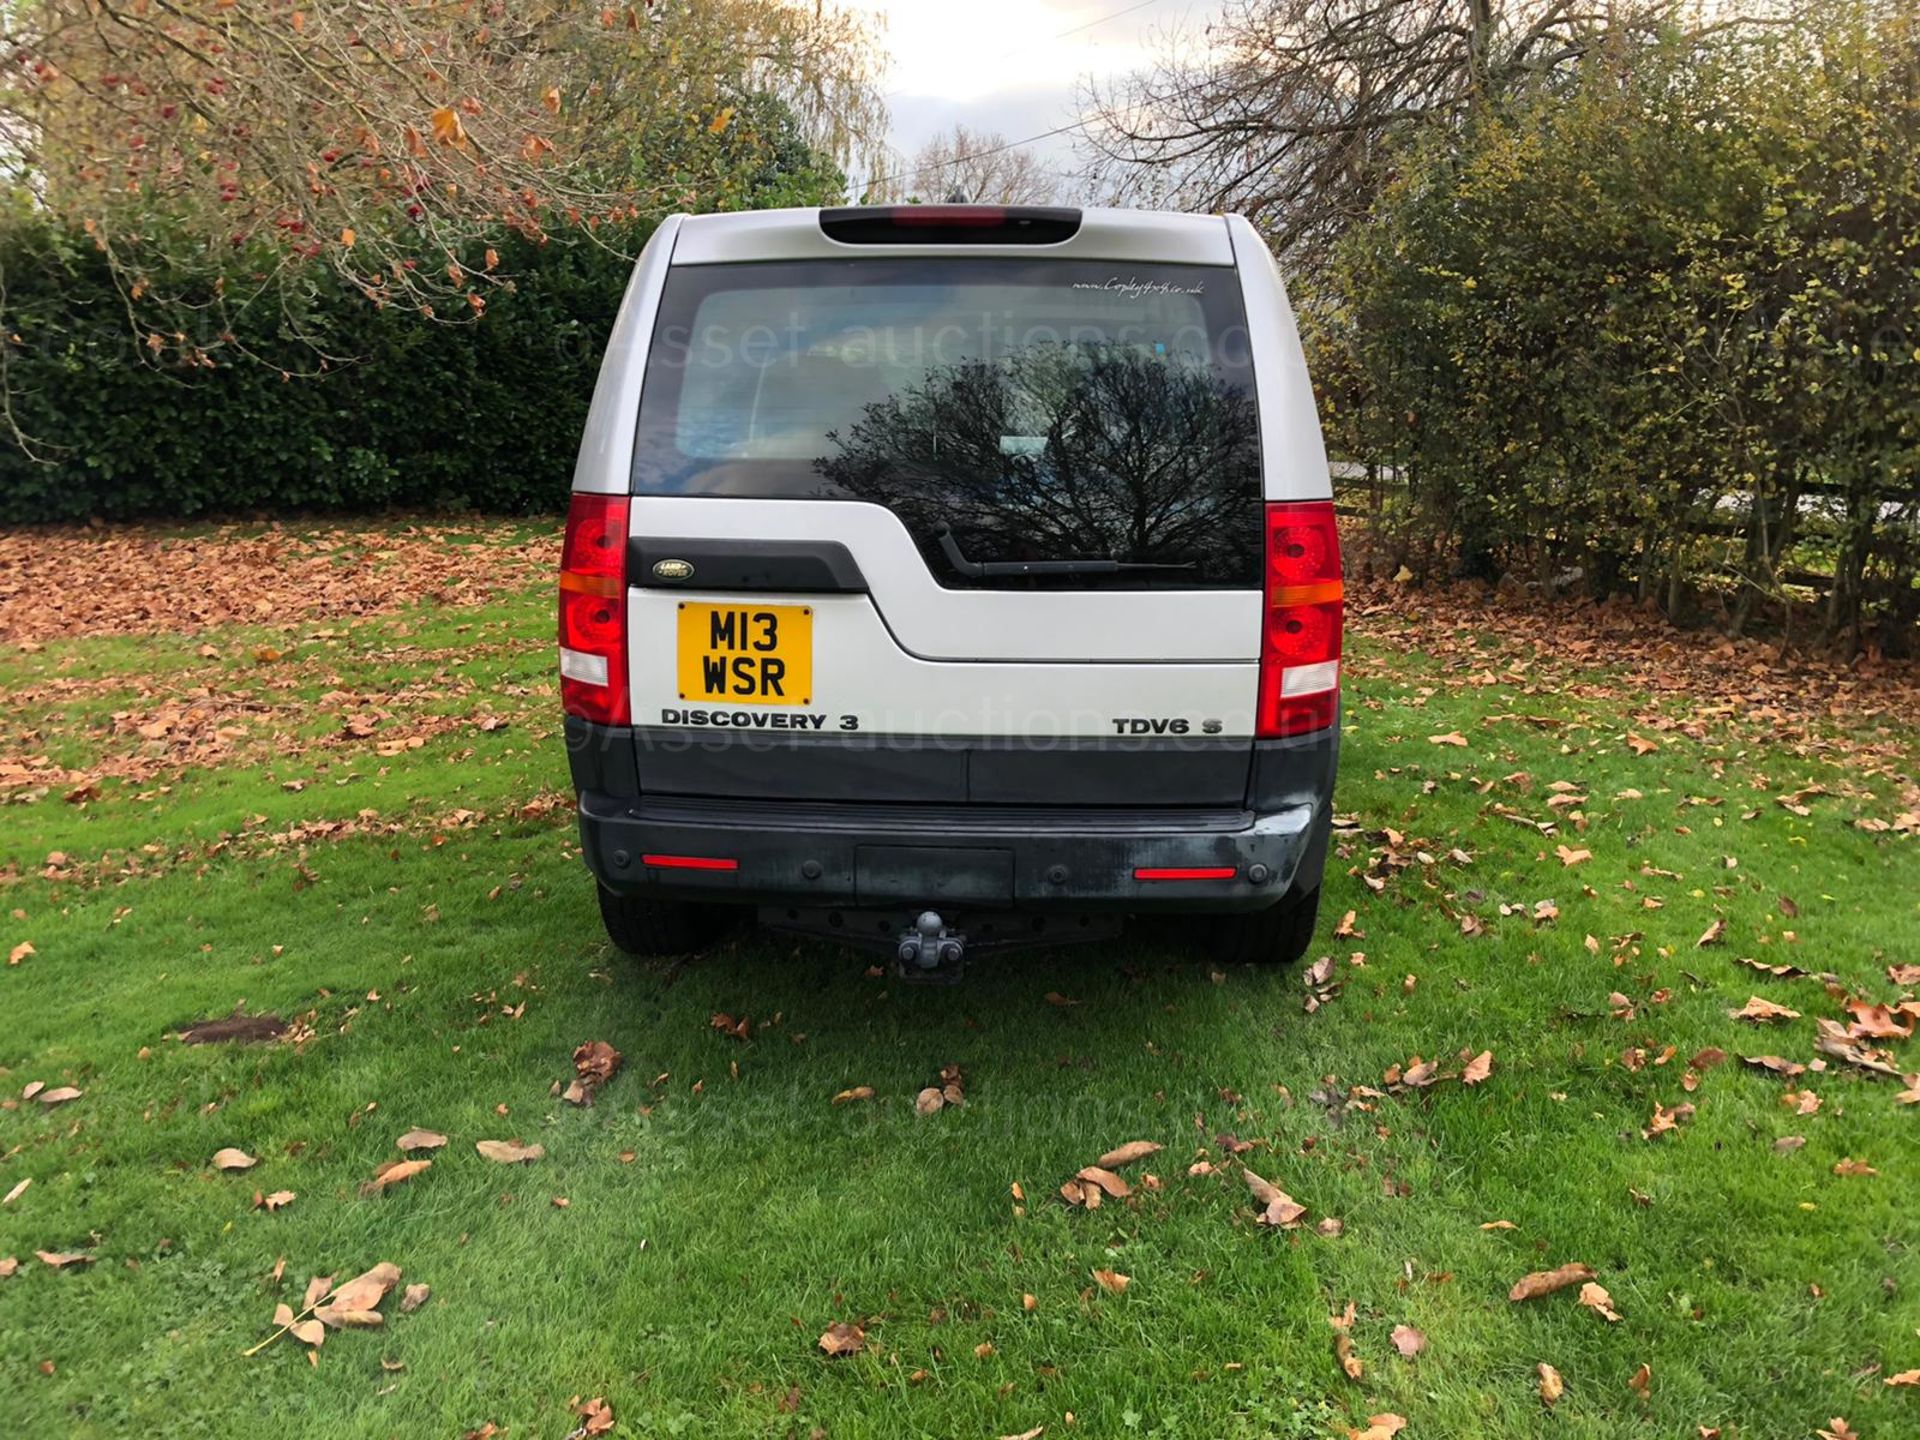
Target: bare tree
[(1281, 108), (980, 165)]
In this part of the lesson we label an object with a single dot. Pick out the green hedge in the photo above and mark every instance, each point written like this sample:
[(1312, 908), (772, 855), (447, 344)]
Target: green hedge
[(482, 413)]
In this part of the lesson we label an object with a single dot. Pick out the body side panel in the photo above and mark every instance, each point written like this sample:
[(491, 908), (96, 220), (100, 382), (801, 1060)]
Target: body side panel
[(605, 464), (1293, 455)]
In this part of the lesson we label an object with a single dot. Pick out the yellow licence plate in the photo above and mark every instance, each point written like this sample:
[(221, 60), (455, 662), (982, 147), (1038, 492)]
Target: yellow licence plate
[(747, 654)]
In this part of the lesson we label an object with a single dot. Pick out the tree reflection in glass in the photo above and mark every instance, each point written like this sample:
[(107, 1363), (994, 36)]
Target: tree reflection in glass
[(1066, 452)]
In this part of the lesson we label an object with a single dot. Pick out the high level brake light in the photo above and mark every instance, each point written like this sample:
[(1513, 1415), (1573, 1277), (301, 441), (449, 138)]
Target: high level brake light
[(593, 614), (1305, 614), (950, 224)]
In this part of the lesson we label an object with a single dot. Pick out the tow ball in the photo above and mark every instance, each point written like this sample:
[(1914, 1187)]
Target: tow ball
[(930, 951)]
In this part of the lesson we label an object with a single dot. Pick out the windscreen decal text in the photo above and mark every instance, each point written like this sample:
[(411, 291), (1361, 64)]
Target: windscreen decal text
[(1136, 289)]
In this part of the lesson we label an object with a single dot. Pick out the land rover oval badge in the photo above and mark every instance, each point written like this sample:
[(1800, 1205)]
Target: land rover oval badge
[(672, 569)]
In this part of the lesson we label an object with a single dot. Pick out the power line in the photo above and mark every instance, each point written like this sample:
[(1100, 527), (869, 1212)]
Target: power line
[(1089, 24), (973, 155)]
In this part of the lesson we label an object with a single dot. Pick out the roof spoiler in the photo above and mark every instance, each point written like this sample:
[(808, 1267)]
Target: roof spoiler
[(950, 224)]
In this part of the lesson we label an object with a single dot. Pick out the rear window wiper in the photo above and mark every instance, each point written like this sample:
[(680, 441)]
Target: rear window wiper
[(981, 569)]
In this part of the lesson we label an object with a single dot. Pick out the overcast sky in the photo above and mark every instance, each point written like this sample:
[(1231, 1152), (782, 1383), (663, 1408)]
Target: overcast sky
[(1011, 65)]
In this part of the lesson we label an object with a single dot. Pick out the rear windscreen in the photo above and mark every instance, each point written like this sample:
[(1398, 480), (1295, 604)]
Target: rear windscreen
[(1033, 423)]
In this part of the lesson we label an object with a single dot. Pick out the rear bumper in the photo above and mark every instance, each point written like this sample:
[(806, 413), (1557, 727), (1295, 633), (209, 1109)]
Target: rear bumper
[(819, 823), (818, 855)]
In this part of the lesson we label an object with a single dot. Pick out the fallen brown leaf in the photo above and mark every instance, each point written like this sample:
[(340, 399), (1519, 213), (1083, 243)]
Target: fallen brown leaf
[(1350, 1363), (1801, 1102), (421, 1140), (843, 1338), (1112, 1281), (415, 1297), (1552, 1387), (1761, 1011), (1128, 1153), (1596, 1299), (1106, 1180), (232, 1159), (929, 1100), (394, 1172), (278, 1200), (1712, 935), (596, 1062), (60, 1260), (1277, 1207), (355, 1304), (858, 1092), (1478, 1068), (1832, 1039), (1545, 1282), (1667, 1118), (1853, 1167), (1379, 1427), (1408, 1341), (596, 1416), (1871, 1021), (1641, 1382), (509, 1152)]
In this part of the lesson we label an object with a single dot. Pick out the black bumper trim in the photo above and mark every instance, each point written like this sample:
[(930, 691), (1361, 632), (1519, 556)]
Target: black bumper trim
[(788, 859)]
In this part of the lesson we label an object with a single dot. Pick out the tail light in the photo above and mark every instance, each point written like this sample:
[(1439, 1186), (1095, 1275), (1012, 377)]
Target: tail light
[(1304, 617), (593, 614)]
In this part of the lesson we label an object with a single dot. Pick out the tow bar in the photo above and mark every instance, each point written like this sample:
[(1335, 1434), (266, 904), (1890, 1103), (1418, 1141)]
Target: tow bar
[(930, 952)]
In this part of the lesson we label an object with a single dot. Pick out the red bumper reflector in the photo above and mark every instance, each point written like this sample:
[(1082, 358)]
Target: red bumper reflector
[(690, 862), (1200, 872)]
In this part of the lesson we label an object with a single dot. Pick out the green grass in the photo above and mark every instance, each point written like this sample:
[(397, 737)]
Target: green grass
[(690, 1284)]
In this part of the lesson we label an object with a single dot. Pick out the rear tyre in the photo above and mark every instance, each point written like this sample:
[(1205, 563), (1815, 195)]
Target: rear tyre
[(1278, 935), (648, 927)]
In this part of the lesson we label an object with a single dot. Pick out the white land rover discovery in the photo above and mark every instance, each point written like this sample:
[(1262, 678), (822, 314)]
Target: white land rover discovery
[(946, 577)]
